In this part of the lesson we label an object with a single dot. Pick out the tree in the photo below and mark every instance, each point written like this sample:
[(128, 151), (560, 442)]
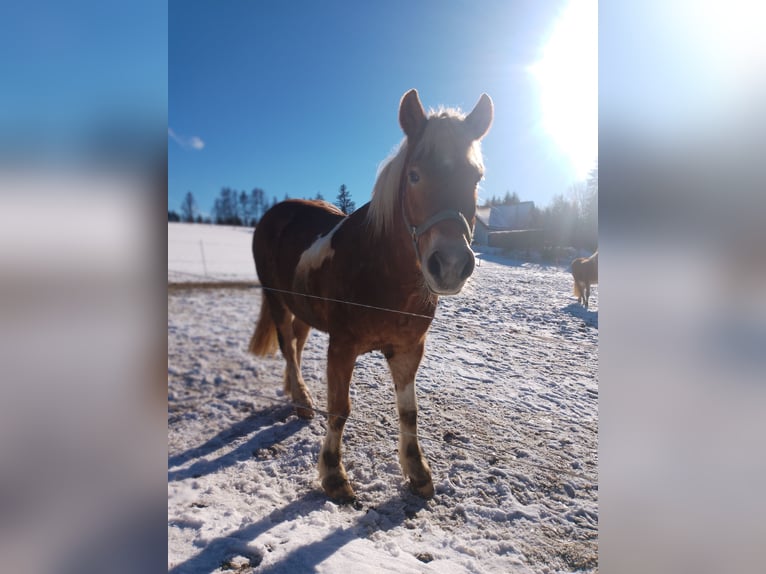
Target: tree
[(225, 208), (508, 199), (319, 196), (173, 216), (511, 199), (188, 208), (257, 204), (590, 210), (344, 202), (245, 209), (560, 220)]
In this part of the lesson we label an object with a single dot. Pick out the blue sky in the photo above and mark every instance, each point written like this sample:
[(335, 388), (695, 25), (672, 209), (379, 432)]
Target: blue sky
[(78, 73), (301, 97)]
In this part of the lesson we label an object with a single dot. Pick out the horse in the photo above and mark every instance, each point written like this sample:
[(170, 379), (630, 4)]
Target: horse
[(585, 274), (372, 279)]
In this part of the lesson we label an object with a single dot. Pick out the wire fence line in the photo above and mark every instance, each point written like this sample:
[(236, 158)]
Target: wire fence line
[(212, 281), (210, 260)]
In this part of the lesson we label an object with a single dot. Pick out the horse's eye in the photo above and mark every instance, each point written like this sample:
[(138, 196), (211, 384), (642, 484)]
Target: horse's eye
[(414, 176)]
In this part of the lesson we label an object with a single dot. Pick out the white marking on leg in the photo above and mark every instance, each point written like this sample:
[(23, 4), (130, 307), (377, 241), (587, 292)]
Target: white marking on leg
[(332, 445), (405, 398), (407, 406)]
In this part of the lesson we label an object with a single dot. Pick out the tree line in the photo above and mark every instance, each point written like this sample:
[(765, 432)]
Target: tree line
[(233, 207), (570, 219), (573, 220)]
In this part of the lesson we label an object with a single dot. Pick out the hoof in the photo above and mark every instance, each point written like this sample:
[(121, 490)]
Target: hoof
[(304, 412), (338, 489), (423, 488)]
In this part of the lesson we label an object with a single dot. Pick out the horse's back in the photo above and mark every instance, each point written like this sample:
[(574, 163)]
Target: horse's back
[(586, 269), (284, 232)]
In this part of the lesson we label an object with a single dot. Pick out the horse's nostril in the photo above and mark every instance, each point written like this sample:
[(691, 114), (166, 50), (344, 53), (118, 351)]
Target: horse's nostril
[(434, 265)]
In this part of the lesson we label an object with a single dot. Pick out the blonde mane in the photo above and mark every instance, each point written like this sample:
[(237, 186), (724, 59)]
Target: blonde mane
[(444, 136)]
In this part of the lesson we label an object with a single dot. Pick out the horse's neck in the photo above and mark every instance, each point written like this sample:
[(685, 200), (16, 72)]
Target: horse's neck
[(394, 262)]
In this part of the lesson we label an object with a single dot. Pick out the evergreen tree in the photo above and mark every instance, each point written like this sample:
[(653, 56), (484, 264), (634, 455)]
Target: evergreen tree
[(511, 198), (344, 202)]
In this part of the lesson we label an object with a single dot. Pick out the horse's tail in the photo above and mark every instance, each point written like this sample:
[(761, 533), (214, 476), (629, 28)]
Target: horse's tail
[(577, 292), (575, 268), (264, 340)]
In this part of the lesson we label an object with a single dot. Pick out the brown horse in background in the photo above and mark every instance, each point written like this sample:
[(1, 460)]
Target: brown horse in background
[(372, 279), (585, 273)]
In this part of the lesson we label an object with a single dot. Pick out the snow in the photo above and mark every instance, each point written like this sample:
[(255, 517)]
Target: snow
[(199, 252), (508, 419)]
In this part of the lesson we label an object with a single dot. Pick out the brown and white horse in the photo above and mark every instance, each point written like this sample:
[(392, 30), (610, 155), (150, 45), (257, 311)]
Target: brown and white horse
[(371, 280), (585, 274)]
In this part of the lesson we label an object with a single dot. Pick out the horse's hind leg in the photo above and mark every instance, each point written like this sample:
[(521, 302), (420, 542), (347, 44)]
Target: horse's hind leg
[(301, 331), (332, 473), (586, 295), (288, 344), (404, 365)]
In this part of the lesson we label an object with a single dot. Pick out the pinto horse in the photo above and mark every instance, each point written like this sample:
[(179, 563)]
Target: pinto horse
[(371, 280), (585, 274)]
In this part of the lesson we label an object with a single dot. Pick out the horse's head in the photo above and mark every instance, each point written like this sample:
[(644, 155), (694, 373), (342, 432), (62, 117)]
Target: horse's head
[(438, 188)]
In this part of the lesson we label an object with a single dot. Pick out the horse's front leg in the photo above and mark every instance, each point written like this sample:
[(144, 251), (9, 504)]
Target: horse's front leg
[(404, 364), (340, 366)]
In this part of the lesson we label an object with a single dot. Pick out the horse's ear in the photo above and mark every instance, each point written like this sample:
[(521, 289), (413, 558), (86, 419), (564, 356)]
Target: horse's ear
[(479, 120), (412, 116)]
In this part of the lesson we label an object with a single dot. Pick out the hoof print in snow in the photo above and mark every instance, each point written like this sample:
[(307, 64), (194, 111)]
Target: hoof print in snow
[(425, 557), (354, 503), (240, 563)]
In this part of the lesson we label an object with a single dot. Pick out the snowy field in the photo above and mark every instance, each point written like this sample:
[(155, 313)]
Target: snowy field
[(197, 253), (508, 398)]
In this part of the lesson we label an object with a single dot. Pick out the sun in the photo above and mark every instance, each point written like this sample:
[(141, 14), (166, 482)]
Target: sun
[(567, 79)]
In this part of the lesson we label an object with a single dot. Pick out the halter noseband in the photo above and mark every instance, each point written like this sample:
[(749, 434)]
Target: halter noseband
[(417, 230)]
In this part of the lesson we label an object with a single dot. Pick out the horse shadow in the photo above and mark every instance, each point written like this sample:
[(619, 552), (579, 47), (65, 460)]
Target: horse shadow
[(391, 514), (266, 437), (588, 316)]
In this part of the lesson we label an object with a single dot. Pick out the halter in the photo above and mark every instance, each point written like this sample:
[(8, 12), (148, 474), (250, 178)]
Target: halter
[(417, 230)]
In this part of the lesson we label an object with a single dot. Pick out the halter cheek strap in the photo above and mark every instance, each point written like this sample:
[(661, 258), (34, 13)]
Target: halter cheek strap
[(417, 230)]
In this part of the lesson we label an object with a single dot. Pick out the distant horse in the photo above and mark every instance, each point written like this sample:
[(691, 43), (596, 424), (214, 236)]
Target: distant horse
[(372, 279), (585, 273)]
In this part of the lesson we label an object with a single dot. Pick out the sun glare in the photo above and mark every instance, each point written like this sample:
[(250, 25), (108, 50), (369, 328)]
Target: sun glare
[(567, 79)]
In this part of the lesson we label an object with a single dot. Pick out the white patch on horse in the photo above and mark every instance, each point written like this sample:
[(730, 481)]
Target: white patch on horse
[(405, 398), (319, 252)]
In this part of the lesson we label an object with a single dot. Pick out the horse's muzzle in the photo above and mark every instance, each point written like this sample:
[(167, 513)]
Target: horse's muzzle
[(447, 267)]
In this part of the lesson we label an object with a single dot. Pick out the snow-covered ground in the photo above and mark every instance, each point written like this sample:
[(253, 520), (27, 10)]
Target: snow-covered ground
[(198, 252), (508, 416)]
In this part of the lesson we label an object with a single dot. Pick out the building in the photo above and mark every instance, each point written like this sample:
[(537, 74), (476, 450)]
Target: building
[(497, 218)]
